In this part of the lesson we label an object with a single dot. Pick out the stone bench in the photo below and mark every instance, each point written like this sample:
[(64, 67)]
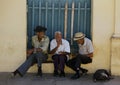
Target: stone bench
[(48, 67)]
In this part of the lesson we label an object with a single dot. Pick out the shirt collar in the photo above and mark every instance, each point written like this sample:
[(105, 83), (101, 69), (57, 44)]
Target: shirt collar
[(42, 38)]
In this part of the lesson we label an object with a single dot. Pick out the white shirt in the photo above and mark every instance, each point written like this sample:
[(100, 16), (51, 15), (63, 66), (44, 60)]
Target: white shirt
[(87, 47), (64, 47)]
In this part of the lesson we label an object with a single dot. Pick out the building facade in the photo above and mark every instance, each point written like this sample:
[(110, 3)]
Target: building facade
[(105, 36)]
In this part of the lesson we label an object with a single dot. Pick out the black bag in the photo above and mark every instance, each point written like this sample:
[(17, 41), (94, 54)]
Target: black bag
[(102, 75)]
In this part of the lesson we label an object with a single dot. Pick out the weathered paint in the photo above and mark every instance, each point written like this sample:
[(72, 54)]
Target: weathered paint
[(104, 19), (12, 34), (102, 30), (115, 56)]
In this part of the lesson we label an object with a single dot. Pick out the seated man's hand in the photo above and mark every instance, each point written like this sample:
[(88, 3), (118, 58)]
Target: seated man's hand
[(64, 53), (29, 52), (38, 49)]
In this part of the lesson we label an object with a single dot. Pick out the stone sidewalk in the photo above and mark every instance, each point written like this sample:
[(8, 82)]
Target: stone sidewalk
[(48, 79)]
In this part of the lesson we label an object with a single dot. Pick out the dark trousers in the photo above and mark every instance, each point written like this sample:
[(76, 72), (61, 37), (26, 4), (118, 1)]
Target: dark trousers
[(32, 59), (59, 62), (76, 62)]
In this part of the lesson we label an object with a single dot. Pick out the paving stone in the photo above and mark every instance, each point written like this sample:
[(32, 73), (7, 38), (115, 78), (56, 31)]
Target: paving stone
[(48, 79)]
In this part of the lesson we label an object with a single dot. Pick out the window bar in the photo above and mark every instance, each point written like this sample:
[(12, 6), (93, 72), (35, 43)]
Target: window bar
[(65, 21), (59, 10), (53, 18), (85, 18), (33, 17), (79, 16), (46, 14), (40, 13), (72, 22)]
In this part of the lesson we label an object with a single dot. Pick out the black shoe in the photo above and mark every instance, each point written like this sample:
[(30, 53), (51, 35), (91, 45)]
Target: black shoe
[(75, 76), (39, 74), (62, 74), (84, 71), (20, 74), (39, 71), (14, 73), (55, 73), (17, 72)]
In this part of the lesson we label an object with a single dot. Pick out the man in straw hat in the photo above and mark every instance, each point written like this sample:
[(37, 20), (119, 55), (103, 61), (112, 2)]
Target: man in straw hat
[(83, 57), (37, 54)]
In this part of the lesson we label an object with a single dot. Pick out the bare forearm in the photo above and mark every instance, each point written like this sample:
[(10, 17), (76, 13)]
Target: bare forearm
[(65, 53), (90, 55), (54, 50), (39, 50)]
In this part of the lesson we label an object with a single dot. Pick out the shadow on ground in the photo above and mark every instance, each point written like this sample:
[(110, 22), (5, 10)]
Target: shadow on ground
[(48, 79)]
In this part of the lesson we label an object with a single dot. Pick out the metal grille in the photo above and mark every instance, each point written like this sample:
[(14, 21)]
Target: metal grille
[(67, 16)]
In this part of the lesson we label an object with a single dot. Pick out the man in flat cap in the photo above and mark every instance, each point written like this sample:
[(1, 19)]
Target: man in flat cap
[(37, 54), (84, 55)]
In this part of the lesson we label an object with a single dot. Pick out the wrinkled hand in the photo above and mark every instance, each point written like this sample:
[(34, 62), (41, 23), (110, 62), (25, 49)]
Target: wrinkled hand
[(38, 49), (29, 52), (59, 42), (61, 52)]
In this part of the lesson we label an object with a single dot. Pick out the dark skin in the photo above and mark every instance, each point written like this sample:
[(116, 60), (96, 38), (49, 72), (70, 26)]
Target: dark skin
[(81, 41), (58, 38), (40, 36)]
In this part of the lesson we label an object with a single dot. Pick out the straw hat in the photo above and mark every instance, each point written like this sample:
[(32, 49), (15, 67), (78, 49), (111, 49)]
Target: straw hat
[(79, 35)]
